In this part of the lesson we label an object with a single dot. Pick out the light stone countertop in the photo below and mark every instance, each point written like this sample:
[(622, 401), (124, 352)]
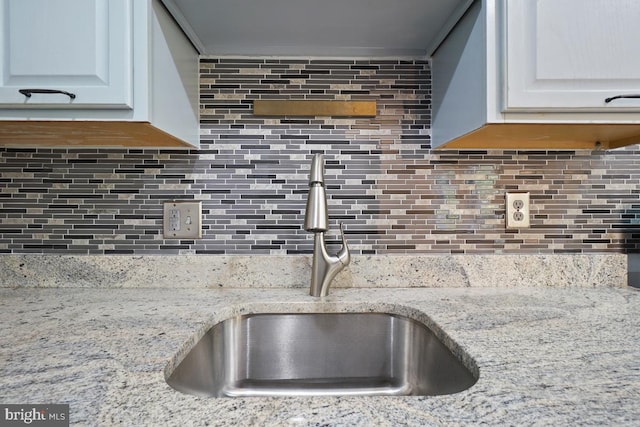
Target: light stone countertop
[(547, 356)]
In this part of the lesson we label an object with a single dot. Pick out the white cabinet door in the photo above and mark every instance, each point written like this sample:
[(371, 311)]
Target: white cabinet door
[(572, 55), (82, 48)]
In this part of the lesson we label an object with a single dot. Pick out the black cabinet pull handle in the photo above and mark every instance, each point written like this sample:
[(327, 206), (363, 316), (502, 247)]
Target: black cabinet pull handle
[(608, 100), (28, 92)]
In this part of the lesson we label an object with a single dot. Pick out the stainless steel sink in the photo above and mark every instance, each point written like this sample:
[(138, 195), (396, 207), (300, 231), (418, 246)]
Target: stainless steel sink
[(320, 354)]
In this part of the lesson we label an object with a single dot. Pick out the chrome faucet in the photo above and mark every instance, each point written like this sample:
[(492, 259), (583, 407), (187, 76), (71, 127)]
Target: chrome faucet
[(324, 267)]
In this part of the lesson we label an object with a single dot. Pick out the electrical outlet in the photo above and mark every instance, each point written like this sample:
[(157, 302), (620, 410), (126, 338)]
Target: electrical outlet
[(174, 219), (182, 220), (517, 210)]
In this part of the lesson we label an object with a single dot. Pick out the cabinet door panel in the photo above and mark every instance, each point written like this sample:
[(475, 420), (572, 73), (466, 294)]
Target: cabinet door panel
[(572, 54), (77, 46)]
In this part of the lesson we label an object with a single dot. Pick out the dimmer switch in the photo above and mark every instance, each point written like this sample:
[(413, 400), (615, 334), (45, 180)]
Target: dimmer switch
[(182, 220)]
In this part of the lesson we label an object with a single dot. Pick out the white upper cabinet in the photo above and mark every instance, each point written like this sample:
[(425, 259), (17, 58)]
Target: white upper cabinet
[(572, 54), (96, 73), (539, 74), (66, 54)]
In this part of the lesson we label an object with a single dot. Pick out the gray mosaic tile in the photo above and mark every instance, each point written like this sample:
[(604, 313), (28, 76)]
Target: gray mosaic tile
[(392, 193)]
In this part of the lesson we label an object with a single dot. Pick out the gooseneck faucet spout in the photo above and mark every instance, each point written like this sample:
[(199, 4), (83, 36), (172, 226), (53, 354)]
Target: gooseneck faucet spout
[(324, 266)]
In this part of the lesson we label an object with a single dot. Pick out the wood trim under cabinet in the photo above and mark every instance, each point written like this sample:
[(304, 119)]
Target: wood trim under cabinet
[(547, 136), (64, 134)]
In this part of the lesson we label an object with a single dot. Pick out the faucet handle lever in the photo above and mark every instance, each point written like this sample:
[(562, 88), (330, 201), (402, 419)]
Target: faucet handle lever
[(343, 254)]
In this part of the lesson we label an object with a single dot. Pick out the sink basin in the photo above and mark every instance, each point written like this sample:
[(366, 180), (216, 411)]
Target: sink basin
[(298, 354)]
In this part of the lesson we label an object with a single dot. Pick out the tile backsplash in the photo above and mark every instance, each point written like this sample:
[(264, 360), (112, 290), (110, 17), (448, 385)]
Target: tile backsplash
[(393, 193)]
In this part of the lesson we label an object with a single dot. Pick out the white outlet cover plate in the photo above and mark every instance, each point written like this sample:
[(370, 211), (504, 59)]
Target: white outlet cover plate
[(189, 221), (510, 199)]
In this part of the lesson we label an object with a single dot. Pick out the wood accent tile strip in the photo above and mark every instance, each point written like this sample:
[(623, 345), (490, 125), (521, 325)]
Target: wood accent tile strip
[(313, 108)]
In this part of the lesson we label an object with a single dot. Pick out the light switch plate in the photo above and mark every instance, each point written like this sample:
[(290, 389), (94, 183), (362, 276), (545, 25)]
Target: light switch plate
[(517, 210), (182, 219)]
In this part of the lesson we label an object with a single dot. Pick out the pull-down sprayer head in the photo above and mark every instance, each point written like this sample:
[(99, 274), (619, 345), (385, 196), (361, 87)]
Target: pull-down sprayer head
[(316, 218), (316, 172)]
